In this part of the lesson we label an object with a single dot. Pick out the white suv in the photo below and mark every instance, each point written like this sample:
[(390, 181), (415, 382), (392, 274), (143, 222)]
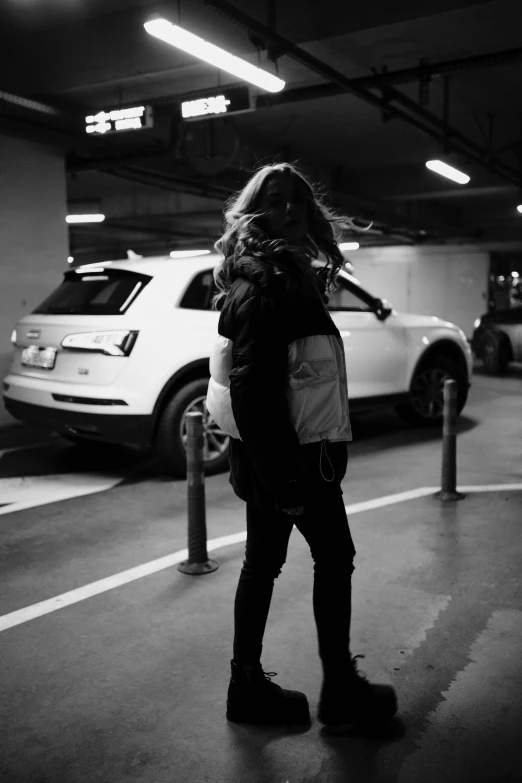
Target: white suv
[(119, 352)]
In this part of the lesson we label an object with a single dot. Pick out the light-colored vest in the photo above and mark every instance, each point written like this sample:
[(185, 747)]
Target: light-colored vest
[(317, 390)]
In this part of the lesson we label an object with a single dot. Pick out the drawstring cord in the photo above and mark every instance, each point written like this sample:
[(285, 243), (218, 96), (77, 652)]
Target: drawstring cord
[(323, 446)]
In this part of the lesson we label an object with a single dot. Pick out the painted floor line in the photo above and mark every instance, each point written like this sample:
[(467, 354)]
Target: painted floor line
[(109, 583), (41, 490), (490, 488), (388, 500), (124, 577)]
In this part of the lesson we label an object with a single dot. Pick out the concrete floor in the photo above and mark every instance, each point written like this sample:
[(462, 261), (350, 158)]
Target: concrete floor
[(130, 684)]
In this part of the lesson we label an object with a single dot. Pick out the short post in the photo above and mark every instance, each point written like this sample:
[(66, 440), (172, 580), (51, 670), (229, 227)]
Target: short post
[(448, 489), (198, 561)]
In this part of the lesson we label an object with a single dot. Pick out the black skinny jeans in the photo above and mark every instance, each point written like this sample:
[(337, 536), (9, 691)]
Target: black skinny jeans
[(324, 525)]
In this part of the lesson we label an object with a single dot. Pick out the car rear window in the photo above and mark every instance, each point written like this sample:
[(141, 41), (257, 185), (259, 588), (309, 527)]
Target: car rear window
[(95, 292)]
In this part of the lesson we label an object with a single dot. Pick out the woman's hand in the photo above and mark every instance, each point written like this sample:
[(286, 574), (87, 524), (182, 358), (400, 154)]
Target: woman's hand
[(294, 511)]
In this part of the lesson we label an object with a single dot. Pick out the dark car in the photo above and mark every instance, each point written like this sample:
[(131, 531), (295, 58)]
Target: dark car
[(497, 339)]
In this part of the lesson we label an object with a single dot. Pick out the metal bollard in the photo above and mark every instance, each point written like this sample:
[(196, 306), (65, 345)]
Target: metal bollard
[(198, 561), (448, 489)]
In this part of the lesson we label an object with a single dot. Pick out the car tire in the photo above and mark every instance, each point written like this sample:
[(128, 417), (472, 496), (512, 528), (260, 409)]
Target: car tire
[(426, 406), (171, 432), (494, 352)]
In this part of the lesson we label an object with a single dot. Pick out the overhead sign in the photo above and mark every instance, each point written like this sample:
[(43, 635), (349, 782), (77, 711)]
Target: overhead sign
[(230, 100), (117, 120)]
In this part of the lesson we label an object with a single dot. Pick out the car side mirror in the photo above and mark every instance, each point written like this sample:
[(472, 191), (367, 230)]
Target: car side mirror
[(383, 309)]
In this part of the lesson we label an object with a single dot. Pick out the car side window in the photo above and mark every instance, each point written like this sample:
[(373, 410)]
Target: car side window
[(344, 297), (200, 291)]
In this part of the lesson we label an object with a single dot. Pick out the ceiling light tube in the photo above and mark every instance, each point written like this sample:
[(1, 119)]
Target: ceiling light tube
[(188, 253), (85, 218), (188, 42), (447, 171)]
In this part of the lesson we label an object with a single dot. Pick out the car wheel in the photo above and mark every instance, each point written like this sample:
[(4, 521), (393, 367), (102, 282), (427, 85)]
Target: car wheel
[(171, 435), (494, 353), (426, 406)]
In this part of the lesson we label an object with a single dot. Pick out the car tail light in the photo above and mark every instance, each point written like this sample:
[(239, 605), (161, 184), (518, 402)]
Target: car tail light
[(115, 343)]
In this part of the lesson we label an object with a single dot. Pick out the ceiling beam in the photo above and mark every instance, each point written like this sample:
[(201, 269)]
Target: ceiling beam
[(400, 76), (491, 191), (173, 184), (111, 225)]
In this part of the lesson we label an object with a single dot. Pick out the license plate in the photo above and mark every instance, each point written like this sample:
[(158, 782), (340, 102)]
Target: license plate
[(44, 358)]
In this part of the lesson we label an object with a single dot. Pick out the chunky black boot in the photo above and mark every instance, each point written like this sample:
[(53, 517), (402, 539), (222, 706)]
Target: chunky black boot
[(348, 698), (254, 698)]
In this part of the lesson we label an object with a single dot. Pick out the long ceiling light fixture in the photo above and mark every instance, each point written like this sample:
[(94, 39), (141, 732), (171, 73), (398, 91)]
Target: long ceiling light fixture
[(85, 218), (447, 171), (188, 253), (188, 42)]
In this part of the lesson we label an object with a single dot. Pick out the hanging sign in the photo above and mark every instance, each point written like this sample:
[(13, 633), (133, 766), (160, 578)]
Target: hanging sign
[(229, 100), (117, 120)]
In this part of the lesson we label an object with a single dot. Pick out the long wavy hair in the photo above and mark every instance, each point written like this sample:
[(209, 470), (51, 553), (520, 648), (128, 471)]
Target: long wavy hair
[(245, 238)]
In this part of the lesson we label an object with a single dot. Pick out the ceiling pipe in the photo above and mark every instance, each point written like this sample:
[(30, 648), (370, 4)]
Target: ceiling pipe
[(459, 142), (170, 184), (31, 105), (499, 191), (400, 76), (136, 228), (434, 70)]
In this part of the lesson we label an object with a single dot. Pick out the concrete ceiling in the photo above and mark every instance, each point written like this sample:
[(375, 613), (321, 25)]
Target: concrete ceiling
[(372, 91)]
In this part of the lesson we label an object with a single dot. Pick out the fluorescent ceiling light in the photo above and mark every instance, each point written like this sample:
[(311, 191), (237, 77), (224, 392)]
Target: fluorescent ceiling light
[(177, 36), (188, 253), (95, 264), (349, 246), (85, 218), (447, 171)]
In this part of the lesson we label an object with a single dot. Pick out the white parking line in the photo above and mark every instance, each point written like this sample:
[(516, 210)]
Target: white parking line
[(124, 577), (23, 492), (109, 583), (491, 488)]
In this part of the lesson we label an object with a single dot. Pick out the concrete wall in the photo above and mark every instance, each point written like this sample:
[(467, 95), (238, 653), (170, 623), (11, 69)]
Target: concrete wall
[(450, 281), (34, 242)]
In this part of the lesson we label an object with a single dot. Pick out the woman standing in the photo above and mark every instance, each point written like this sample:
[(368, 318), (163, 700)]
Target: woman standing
[(278, 387)]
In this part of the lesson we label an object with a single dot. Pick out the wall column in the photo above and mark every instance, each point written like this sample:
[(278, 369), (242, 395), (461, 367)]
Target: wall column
[(34, 242)]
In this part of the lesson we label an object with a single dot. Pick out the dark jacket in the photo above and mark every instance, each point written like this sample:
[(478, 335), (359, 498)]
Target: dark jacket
[(278, 382)]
